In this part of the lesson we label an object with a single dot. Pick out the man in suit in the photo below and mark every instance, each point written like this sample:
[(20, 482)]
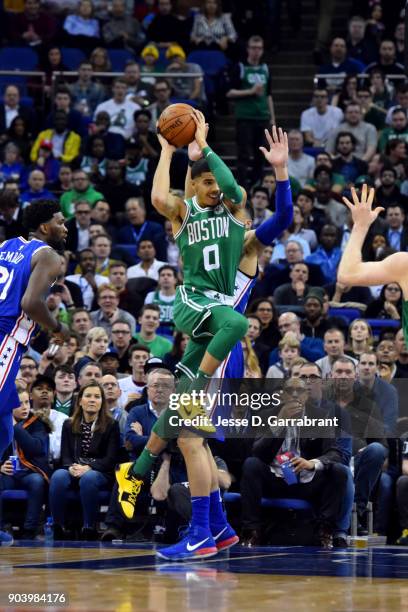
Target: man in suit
[(78, 227), (11, 108), (137, 228), (397, 233), (314, 465)]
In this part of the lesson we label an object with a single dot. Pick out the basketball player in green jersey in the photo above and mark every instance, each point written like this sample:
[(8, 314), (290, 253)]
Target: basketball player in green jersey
[(353, 271), (195, 302)]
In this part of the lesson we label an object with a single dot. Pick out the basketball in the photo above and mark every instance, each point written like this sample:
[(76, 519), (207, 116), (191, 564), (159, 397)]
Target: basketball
[(176, 124)]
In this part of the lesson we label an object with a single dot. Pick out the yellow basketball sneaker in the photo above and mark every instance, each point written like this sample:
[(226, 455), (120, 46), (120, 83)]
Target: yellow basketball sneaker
[(195, 414), (128, 489)]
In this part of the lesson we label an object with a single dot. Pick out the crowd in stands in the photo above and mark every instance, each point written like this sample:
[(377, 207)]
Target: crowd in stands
[(89, 141)]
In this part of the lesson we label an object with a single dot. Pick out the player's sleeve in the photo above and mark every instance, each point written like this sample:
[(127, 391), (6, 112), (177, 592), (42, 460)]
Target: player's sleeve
[(225, 179), (281, 219)]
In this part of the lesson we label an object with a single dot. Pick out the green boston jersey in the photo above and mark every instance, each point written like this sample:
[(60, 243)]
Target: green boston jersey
[(253, 107), (210, 242)]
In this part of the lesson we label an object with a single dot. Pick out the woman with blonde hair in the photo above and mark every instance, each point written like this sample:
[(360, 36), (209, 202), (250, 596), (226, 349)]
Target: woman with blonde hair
[(251, 363), (96, 345), (360, 338)]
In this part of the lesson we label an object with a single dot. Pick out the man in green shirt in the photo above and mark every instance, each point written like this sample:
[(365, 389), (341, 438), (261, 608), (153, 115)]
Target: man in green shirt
[(82, 191), (253, 108), (149, 321), (398, 129)]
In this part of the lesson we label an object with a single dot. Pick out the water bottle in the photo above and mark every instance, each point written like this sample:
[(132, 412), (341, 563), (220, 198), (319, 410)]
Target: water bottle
[(49, 531)]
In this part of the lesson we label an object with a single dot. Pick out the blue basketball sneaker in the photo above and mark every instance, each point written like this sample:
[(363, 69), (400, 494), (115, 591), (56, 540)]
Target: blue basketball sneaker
[(198, 544), (225, 537), (6, 539)]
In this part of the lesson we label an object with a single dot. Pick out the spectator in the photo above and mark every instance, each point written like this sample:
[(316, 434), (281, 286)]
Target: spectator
[(149, 57), (138, 227), (162, 94), (396, 152), (316, 321), (387, 354), (298, 229), (176, 354), (81, 29), (166, 27), (384, 394), (33, 27), (388, 305), (82, 191), (171, 250), (121, 338), (327, 256), (42, 396), (264, 310), (337, 180), (109, 363), (262, 473), (319, 122), (397, 235), (10, 219), (89, 372), (87, 279), (300, 165), (65, 143), (382, 96), (372, 113), (94, 163), (369, 445), (108, 312), (260, 205), (253, 109), (122, 31), (112, 392), (115, 188), (289, 350), (345, 162), (164, 297), (402, 355), (28, 369), (334, 345), (63, 102), (138, 169), (347, 94), (253, 334), (78, 227), (47, 163), (101, 215), (364, 133), (65, 385), (102, 247), (12, 167), (36, 191), (399, 39), (11, 108), (401, 102), (310, 348), (96, 345), (183, 87), (252, 368), (64, 180), (19, 134), (398, 129), (359, 46), (360, 338), (137, 90), (90, 450), (100, 61), (149, 321), (132, 386), (213, 29), (387, 61), (118, 278), (293, 293), (86, 93), (81, 323), (149, 266), (119, 109), (339, 63), (30, 444), (313, 217), (51, 64), (145, 136), (388, 193)]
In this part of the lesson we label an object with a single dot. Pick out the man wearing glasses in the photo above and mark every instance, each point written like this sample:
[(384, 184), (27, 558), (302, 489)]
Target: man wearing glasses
[(121, 337), (318, 122)]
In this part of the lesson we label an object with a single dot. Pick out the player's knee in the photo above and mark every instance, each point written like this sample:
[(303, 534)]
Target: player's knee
[(241, 326)]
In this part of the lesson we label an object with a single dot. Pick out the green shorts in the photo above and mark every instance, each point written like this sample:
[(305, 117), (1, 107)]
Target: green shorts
[(191, 310)]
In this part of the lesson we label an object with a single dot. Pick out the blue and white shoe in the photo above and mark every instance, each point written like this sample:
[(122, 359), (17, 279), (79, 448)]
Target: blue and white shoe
[(225, 537), (6, 539), (198, 544)]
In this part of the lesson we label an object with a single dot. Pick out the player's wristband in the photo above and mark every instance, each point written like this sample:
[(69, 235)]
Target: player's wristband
[(191, 163)]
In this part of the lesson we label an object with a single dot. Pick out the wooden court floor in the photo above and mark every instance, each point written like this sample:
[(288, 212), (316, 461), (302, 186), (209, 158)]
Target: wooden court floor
[(126, 578)]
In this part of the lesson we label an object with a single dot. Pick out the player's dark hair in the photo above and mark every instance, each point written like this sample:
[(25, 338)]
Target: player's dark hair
[(40, 211), (199, 167)]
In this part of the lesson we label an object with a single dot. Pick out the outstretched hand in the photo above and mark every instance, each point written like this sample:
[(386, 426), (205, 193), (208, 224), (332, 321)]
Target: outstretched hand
[(361, 209), (201, 130), (278, 153)]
